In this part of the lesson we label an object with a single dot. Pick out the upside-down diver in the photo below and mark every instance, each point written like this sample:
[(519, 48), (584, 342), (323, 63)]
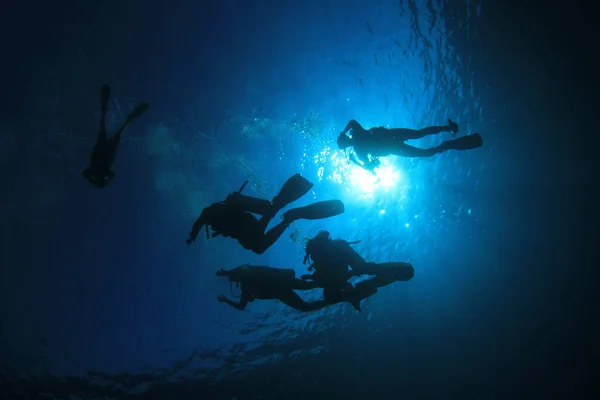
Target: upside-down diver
[(370, 144), (99, 172)]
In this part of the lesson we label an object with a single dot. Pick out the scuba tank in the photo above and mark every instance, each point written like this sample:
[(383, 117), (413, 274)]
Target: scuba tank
[(251, 204), (322, 248), (260, 275)]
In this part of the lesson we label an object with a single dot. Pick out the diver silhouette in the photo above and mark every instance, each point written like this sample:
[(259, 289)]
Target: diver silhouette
[(370, 144), (99, 172)]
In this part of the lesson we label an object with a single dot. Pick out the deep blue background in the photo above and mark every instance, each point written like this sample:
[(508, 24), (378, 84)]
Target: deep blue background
[(501, 305)]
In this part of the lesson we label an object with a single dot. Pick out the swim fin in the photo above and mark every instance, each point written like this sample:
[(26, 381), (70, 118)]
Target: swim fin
[(104, 97), (318, 210), (294, 188), (468, 142), (400, 271), (138, 111)]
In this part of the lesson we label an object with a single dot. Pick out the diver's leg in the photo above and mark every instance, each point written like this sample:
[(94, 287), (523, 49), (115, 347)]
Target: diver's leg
[(293, 300), (262, 243), (115, 139), (335, 295), (104, 97), (404, 134), (264, 220), (410, 134), (113, 145), (138, 110), (404, 150), (354, 125)]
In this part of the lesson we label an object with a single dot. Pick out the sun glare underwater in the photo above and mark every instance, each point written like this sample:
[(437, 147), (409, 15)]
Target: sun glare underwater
[(387, 181)]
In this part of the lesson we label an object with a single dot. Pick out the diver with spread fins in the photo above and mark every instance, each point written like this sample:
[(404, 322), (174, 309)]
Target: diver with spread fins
[(468, 142), (293, 189), (370, 144), (103, 156), (233, 216)]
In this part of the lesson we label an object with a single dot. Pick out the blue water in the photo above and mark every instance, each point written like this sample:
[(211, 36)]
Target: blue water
[(102, 297)]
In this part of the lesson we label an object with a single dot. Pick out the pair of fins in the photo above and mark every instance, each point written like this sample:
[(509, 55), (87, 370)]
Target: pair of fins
[(468, 142), (137, 111), (293, 189)]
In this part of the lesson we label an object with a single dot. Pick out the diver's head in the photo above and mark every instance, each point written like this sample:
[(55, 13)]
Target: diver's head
[(323, 235), (315, 244), (97, 180), (343, 141)]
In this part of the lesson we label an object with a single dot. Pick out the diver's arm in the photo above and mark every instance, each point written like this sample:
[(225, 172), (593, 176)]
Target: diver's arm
[(202, 220), (241, 305), (372, 164), (352, 124), (354, 158), (368, 166)]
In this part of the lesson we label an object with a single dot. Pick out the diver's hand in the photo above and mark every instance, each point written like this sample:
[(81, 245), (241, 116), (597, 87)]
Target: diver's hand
[(221, 298), (370, 168), (371, 165), (189, 240)]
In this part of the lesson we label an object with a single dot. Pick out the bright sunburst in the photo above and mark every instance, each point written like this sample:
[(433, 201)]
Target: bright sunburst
[(385, 177), (333, 165)]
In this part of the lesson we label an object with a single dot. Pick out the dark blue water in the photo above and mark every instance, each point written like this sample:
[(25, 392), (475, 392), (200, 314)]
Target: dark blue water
[(102, 297)]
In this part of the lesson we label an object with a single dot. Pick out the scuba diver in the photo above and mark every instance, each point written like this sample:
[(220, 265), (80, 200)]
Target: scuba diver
[(233, 217), (99, 172), (331, 260), (266, 283), (370, 144)]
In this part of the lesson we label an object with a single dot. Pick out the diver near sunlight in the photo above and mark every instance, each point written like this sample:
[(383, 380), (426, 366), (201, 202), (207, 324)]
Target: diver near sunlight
[(331, 260), (99, 172), (233, 217), (266, 283), (370, 144)]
